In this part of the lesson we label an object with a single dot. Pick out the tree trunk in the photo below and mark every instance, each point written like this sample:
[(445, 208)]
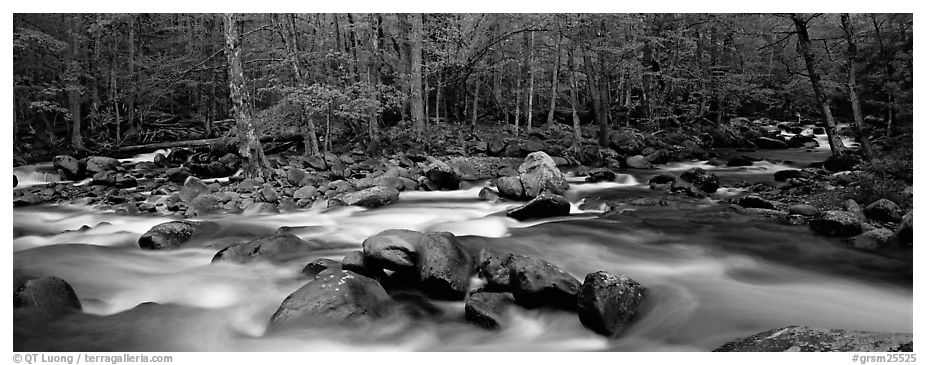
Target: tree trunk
[(573, 100), (593, 87), (530, 89), (249, 146), (96, 76), (74, 87), (475, 101), (415, 56), (850, 85), (130, 102), (112, 90), (375, 59), (292, 51), (803, 47), (553, 92)]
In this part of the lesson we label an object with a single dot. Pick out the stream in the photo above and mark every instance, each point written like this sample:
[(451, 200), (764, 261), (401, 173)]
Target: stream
[(713, 275)]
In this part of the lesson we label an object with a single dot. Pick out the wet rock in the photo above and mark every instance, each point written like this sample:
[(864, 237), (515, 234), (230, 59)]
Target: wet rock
[(638, 162), (357, 262), (664, 178), (770, 143), (316, 162), (739, 161), (48, 294), (96, 164), (394, 249), (68, 165), (803, 209), (278, 248), (178, 175), (125, 182), (836, 223), (600, 174), (318, 266), (295, 176), (103, 178), (305, 192), (269, 194), (443, 267), (607, 303), (442, 175), (547, 205), (211, 169), (489, 310), (625, 142), (168, 235), (807, 339), (258, 208), (205, 204), (539, 173), (873, 240), (784, 175), (660, 156), (489, 195), (374, 197), (192, 188), (707, 182), (854, 209), (843, 162), (534, 282), (884, 210), (341, 297), (510, 187), (755, 201)]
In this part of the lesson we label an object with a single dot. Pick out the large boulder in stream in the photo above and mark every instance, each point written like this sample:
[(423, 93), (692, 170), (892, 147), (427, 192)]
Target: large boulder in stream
[(607, 303), (47, 294), (372, 197), (807, 339), (539, 173), (442, 175), (706, 181), (394, 249), (489, 310), (341, 297), (600, 174), (168, 235), (278, 248), (510, 187), (836, 223), (443, 266), (544, 206), (534, 282), (69, 165)]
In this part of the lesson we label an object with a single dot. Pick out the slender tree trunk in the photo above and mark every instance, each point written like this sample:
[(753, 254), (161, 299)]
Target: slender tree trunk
[(74, 87), (437, 92), (573, 101), (130, 102), (600, 115), (475, 101), (113, 93), (553, 92), (530, 89), (96, 76), (292, 51), (416, 102), (850, 85), (803, 47), (375, 59), (249, 146)]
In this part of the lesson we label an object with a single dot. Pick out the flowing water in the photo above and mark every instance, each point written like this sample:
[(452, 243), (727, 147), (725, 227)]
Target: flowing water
[(713, 275)]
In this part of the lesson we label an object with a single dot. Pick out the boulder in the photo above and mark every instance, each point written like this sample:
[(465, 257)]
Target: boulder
[(534, 282), (884, 210), (510, 187), (278, 248), (707, 182), (168, 235), (269, 194), (316, 162), (94, 164), (638, 162), (843, 162), (341, 297), (807, 339), (664, 178), (539, 173), (178, 175), (755, 201), (125, 182), (205, 204), (192, 188), (904, 232), (488, 310), (394, 249), (873, 240), (373, 197), (770, 143), (305, 192), (442, 175), (803, 209), (317, 266), (547, 205), (295, 176), (211, 169), (738, 161), (258, 208), (357, 262), (784, 175), (486, 194), (104, 178), (607, 303), (68, 165), (443, 266), (854, 209), (600, 174), (48, 294), (836, 223)]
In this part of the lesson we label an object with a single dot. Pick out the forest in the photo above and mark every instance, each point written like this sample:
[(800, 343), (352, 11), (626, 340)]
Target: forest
[(463, 182)]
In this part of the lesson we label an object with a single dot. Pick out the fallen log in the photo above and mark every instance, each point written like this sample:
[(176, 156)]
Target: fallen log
[(214, 143)]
